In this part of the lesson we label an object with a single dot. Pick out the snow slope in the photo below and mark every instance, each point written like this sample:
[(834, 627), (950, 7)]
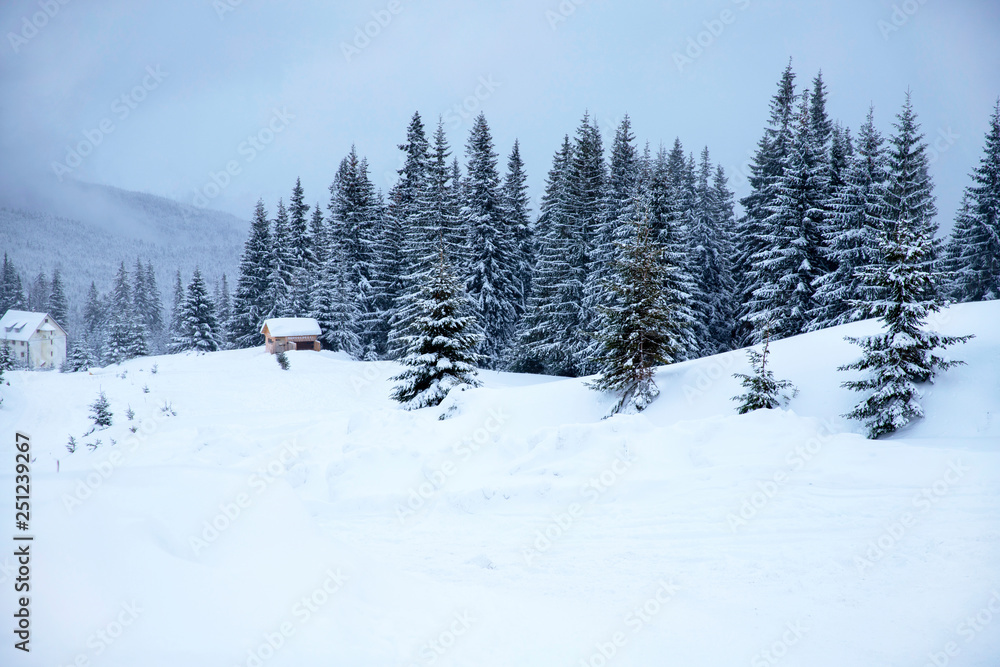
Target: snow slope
[(524, 529)]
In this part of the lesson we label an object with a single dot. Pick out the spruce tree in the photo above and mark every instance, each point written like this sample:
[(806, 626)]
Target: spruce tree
[(100, 411), (791, 260), (617, 212), (763, 392), (351, 243), (38, 293), (58, 304), (153, 316), (491, 284), (298, 246), (857, 214), (516, 213), (126, 338), (903, 355), (766, 171), (176, 316), (441, 354), (974, 249), (639, 332), (551, 332), (199, 328), (710, 256), (11, 290), (250, 301), (282, 263)]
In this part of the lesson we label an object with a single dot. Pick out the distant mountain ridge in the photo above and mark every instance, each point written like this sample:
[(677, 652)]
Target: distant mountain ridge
[(87, 230)]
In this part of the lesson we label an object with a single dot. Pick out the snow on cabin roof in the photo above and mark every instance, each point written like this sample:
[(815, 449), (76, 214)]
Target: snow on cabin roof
[(21, 324), (280, 327)]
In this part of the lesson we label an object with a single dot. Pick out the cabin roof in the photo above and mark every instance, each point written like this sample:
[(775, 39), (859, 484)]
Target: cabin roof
[(281, 327), (22, 324)]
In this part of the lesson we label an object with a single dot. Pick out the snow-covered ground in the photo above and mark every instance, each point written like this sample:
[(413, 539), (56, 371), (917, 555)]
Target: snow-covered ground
[(301, 518)]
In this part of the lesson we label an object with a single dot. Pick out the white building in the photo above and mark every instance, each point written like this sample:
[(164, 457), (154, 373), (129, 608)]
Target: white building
[(36, 339)]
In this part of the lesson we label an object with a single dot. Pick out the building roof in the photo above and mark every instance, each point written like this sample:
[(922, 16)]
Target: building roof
[(22, 324), (280, 327)]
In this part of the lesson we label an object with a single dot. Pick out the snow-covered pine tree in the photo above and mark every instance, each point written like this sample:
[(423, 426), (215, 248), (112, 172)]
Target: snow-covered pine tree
[(58, 304), (176, 316), (974, 248), (298, 246), (38, 293), (352, 243), (224, 311), (11, 290), (250, 300), (766, 169), (763, 392), (492, 284), (78, 358), (516, 213), (100, 411), (857, 214), (841, 151), (821, 138), (614, 224), (666, 186), (126, 337), (903, 355), (199, 328), (334, 305), (94, 318), (709, 258), (280, 281), (441, 354), (639, 331), (551, 327), (153, 317), (415, 205), (786, 268)]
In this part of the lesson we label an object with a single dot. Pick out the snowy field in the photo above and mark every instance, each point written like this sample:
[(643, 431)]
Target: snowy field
[(302, 518)]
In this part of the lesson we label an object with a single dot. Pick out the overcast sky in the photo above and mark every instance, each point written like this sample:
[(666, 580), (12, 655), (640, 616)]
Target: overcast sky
[(199, 78)]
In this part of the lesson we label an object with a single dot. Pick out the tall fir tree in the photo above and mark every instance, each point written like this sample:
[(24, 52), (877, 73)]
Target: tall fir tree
[(282, 263), (250, 301), (786, 268), (298, 247), (766, 170), (441, 354), (38, 293), (11, 289), (974, 247), (176, 316), (199, 328), (126, 337), (904, 354), (640, 331), (491, 284), (58, 304), (857, 215), (516, 212), (550, 335)]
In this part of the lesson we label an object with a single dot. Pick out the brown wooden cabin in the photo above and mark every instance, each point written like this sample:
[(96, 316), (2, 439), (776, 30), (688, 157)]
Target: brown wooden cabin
[(282, 334)]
